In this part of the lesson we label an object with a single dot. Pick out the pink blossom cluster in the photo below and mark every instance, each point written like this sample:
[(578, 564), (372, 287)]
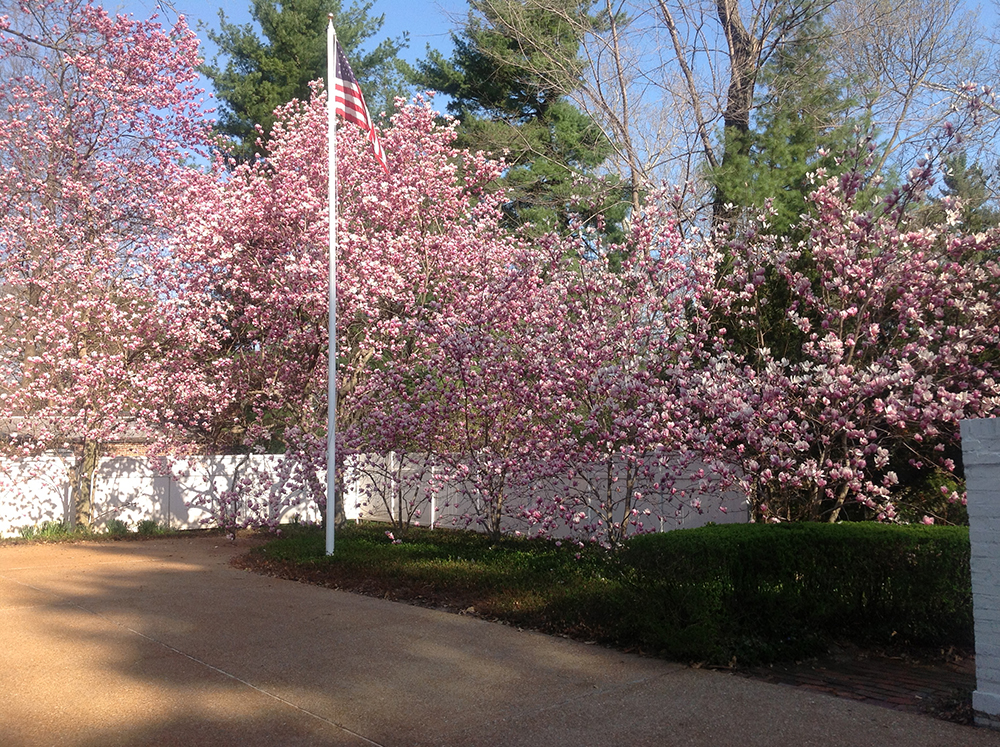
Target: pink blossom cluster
[(99, 114), (890, 340), (550, 385)]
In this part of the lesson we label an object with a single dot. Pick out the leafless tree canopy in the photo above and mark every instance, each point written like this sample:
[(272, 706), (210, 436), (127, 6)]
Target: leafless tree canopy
[(666, 79)]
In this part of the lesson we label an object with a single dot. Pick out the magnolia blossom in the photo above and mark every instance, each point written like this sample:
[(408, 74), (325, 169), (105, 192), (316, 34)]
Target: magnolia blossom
[(101, 113), (548, 384)]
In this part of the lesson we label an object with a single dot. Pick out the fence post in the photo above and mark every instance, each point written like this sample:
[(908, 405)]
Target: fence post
[(981, 456)]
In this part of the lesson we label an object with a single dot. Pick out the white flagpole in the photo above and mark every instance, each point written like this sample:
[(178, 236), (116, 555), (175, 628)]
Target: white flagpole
[(331, 385)]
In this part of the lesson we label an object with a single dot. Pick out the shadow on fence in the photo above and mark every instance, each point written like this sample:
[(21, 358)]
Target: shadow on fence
[(193, 492)]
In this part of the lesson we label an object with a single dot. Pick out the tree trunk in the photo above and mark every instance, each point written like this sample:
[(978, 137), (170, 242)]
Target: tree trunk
[(744, 63), (841, 497), (339, 515), (83, 483)]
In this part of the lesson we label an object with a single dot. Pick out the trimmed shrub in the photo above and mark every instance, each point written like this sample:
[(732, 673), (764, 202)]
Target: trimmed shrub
[(769, 591)]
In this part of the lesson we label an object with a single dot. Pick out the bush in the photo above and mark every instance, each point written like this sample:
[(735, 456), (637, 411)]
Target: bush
[(46, 530), (116, 528), (762, 592), (149, 528)]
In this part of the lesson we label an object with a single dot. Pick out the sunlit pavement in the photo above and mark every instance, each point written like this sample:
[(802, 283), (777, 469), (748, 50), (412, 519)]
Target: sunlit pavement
[(163, 643)]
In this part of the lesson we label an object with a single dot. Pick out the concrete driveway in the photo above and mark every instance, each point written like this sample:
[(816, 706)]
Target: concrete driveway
[(163, 643)]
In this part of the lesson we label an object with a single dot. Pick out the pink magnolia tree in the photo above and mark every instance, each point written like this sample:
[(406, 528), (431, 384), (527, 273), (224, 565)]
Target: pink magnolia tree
[(100, 113), (254, 250), (448, 407), (471, 364), (551, 395), (430, 277), (890, 341), (629, 451), (544, 389), (540, 386), (475, 400)]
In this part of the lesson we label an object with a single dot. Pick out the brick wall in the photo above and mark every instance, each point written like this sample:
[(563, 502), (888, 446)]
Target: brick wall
[(981, 454)]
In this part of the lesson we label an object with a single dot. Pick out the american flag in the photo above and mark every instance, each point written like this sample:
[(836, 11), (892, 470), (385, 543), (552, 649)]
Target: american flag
[(350, 102)]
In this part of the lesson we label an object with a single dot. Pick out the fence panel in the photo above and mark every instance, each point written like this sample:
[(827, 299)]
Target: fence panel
[(184, 493), (33, 491)]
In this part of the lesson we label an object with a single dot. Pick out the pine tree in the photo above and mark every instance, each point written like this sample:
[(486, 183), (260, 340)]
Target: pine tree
[(969, 185), (260, 73), (799, 126), (514, 63)]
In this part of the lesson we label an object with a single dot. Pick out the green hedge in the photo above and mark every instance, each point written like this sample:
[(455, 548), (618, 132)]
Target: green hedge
[(764, 592)]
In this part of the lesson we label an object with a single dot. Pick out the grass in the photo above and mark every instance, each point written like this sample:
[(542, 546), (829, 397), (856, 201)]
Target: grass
[(114, 529), (47, 530), (529, 583)]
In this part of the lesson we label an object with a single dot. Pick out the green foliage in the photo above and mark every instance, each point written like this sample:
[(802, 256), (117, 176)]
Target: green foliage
[(969, 186), (47, 530), (260, 74), (513, 65), (116, 528), (755, 592), (760, 592), (149, 528), (512, 57), (534, 583), (54, 531), (799, 126)]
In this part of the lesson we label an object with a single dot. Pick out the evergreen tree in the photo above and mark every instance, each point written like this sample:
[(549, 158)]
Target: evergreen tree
[(969, 185), (799, 127), (260, 73), (514, 63)]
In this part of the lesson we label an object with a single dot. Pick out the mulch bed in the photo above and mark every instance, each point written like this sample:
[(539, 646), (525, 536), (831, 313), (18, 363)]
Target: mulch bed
[(933, 682)]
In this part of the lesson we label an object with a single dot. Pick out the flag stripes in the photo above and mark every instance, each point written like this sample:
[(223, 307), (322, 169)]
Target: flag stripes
[(349, 102)]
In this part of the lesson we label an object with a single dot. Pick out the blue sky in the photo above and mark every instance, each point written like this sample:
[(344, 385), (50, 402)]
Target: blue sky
[(427, 22)]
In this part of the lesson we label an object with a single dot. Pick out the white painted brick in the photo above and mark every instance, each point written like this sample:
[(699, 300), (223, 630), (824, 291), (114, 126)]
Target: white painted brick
[(986, 501), (985, 615), (987, 528), (981, 455), (987, 677), (981, 537), (986, 702), (986, 580), (979, 441), (982, 567), (989, 648), (986, 598), (984, 620)]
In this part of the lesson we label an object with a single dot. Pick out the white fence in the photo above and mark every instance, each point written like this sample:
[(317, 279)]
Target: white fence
[(133, 489), (377, 487)]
